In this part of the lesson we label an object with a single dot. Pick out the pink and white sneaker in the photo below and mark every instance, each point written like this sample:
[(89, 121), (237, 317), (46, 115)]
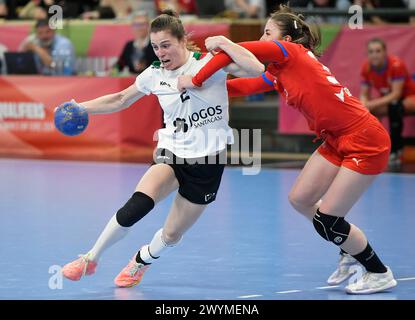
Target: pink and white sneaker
[(131, 275), (79, 267)]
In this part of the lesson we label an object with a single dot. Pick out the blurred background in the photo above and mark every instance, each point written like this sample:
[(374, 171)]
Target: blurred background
[(101, 46)]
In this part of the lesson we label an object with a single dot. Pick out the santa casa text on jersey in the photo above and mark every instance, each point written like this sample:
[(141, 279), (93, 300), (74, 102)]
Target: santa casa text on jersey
[(196, 120)]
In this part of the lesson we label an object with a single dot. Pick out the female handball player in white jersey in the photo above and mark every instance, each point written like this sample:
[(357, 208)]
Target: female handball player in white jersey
[(189, 149)]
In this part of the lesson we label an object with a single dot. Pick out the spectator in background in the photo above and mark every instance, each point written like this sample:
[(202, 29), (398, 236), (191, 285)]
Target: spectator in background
[(138, 54), (54, 54), (179, 6), (3, 49), (411, 6), (321, 4), (149, 6), (247, 8), (35, 9), (75, 8), (390, 77), (377, 4)]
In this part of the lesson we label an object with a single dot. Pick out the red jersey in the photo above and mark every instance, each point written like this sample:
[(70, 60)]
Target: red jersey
[(394, 70), (306, 84)]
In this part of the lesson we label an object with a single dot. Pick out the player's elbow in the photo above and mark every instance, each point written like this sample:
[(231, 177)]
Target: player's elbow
[(261, 69), (123, 100), (257, 69)]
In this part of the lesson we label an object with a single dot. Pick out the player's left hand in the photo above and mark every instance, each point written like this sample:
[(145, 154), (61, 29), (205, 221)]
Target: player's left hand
[(185, 82), (72, 101)]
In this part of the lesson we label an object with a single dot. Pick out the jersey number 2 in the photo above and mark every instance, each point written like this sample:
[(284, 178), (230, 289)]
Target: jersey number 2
[(184, 96)]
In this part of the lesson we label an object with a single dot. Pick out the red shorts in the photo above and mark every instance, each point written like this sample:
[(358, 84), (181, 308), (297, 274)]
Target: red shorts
[(366, 150)]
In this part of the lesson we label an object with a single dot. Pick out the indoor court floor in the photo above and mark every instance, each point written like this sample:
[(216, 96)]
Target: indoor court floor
[(249, 244)]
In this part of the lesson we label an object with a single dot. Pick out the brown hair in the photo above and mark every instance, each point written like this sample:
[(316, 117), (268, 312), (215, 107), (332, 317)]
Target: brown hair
[(294, 25), (169, 20), (377, 40)]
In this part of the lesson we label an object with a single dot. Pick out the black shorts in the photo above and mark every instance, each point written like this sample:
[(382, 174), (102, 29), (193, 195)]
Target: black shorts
[(199, 178)]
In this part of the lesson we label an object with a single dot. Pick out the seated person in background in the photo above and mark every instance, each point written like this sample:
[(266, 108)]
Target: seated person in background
[(379, 4), (138, 54), (247, 8), (54, 54), (179, 6), (324, 4), (35, 9), (390, 77), (74, 8), (3, 9)]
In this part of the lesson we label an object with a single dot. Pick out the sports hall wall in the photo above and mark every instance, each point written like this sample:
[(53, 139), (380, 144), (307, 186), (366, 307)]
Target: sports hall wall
[(27, 102)]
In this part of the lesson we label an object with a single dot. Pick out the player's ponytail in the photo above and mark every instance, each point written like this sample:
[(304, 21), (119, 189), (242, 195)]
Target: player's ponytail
[(294, 25), (169, 20)]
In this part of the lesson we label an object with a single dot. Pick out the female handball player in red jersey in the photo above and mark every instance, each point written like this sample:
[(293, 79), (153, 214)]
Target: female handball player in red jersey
[(356, 146)]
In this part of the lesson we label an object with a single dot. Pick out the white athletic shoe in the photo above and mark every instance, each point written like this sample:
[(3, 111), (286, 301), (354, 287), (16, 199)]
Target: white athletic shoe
[(344, 270), (372, 282)]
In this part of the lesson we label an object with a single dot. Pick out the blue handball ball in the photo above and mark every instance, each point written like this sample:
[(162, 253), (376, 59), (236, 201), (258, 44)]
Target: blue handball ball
[(71, 118)]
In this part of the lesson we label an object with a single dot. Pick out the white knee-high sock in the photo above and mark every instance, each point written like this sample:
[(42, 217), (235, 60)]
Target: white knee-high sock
[(112, 233), (152, 251)]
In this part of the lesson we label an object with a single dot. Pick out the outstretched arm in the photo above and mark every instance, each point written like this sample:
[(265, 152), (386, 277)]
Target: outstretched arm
[(245, 64), (247, 86), (113, 102), (264, 51)]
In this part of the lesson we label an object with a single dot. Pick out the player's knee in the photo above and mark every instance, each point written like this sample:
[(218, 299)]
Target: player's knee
[(171, 237), (294, 199), (331, 228), (299, 201), (135, 209)]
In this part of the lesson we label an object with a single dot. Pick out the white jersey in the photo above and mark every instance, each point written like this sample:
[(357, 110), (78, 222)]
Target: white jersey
[(196, 120)]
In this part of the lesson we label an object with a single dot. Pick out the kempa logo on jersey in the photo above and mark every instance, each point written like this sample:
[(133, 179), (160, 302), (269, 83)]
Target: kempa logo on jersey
[(198, 119), (163, 83)]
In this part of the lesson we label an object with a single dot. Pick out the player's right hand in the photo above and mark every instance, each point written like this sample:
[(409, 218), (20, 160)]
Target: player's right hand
[(185, 82)]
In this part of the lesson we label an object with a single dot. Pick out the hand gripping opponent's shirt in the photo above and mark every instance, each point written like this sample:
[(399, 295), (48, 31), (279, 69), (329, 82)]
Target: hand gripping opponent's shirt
[(196, 121), (303, 81)]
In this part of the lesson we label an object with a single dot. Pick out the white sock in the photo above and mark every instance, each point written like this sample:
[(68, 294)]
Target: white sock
[(112, 233), (152, 251)]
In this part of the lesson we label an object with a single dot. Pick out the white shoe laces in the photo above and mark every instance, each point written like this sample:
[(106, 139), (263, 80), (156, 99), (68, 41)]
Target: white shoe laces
[(83, 258), (135, 266), (365, 280)]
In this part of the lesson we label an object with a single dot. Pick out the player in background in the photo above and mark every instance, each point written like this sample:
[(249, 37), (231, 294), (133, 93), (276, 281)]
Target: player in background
[(389, 76)]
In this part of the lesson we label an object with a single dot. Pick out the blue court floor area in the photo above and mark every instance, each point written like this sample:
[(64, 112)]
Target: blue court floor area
[(249, 243)]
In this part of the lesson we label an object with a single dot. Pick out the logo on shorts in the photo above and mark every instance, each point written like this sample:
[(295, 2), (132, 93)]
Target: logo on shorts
[(357, 161), (209, 196)]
